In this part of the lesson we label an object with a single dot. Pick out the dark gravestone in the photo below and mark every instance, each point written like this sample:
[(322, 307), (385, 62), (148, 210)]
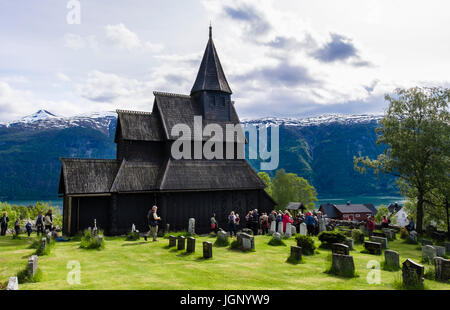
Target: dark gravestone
[(247, 242), (440, 251), (379, 234), (207, 249), (343, 265), (44, 243), (428, 253), (392, 259), (383, 241), (412, 273), (442, 269), (181, 243), (247, 231), (350, 243), (373, 247), (427, 242), (339, 248), (447, 248), (296, 253), (190, 245), (172, 241), (32, 265), (167, 228)]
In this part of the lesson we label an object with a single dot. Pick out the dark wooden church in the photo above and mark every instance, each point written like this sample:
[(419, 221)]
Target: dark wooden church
[(119, 193)]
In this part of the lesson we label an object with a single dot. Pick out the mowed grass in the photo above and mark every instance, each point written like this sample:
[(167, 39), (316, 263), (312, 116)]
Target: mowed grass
[(152, 265)]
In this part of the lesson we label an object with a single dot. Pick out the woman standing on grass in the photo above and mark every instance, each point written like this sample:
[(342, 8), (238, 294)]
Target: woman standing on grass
[(48, 220), (213, 223), (4, 223), (232, 223), (370, 226), (17, 227)]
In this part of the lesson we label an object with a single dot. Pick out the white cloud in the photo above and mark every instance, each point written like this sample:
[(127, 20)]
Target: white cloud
[(124, 38), (78, 42), (61, 76)]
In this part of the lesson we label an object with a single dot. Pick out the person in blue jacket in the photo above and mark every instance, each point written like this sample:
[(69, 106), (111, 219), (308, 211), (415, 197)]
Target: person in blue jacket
[(310, 223)]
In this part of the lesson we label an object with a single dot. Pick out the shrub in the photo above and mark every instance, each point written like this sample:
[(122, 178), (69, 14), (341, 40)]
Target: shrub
[(307, 244), (221, 243), (275, 242), (132, 236), (88, 242), (48, 248), (24, 277), (357, 236), (329, 237), (404, 233)]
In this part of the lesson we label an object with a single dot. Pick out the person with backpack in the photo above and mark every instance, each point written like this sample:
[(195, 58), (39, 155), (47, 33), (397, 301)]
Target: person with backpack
[(232, 223), (153, 220), (4, 223), (17, 227), (40, 224), (48, 220), (214, 226), (29, 227), (310, 223)]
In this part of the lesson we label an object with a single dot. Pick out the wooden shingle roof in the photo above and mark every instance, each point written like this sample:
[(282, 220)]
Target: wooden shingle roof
[(142, 126), (87, 176), (136, 176)]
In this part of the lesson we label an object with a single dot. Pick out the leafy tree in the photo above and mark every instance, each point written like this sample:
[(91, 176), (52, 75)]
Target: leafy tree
[(416, 132), (381, 211), (266, 179), (287, 187)]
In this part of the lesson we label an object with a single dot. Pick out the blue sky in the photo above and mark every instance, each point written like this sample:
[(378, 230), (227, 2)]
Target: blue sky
[(282, 58)]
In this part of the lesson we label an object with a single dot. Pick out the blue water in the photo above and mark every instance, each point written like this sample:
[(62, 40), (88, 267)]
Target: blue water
[(54, 202)]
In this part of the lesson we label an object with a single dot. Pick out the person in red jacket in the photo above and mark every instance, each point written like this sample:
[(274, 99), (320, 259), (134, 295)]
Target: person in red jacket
[(370, 225), (286, 219)]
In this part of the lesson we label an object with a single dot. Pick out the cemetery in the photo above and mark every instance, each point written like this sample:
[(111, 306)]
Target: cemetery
[(183, 260)]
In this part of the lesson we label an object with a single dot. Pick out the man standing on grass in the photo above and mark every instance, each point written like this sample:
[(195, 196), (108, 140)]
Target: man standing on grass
[(4, 223), (153, 220)]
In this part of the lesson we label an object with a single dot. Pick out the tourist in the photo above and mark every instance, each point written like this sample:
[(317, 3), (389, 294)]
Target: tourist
[(286, 219), (17, 227), (4, 223), (411, 225), (310, 223), (272, 216), (237, 220), (370, 226), (248, 220), (29, 227), (213, 223), (153, 220), (48, 220), (40, 224), (278, 219), (255, 222), (232, 223), (264, 223)]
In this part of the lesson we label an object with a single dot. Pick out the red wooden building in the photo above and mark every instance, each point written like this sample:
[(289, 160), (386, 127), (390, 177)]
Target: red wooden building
[(349, 212)]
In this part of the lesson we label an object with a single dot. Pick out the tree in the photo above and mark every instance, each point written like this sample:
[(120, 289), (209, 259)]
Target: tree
[(266, 179), (415, 130), (381, 211), (287, 187)]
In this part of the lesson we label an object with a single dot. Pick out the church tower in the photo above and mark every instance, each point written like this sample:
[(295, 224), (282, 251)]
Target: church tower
[(211, 88)]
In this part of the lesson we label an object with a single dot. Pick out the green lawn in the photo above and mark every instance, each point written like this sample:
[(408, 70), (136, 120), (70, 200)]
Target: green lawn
[(151, 265)]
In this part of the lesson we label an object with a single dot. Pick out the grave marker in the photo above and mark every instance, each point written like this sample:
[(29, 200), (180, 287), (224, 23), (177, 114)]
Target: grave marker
[(288, 230), (32, 265), (181, 243), (190, 245), (373, 247), (191, 227), (339, 248), (207, 249), (296, 253), (13, 284), (172, 241), (412, 273), (428, 253), (342, 265), (442, 269), (302, 230), (392, 259), (381, 240)]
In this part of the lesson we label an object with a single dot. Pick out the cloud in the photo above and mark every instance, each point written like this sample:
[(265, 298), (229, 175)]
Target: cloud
[(63, 77), (77, 42), (255, 22), (124, 38), (282, 74), (291, 43), (339, 48)]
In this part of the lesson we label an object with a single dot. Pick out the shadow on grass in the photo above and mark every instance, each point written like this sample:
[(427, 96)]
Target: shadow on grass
[(135, 243), (293, 261), (182, 254)]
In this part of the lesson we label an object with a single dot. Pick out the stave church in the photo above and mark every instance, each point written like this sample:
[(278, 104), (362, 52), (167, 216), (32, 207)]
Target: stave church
[(119, 192)]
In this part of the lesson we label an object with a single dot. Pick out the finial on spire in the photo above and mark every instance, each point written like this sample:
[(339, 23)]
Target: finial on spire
[(210, 30)]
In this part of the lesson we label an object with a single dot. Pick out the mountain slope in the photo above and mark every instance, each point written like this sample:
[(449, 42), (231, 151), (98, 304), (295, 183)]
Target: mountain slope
[(320, 149)]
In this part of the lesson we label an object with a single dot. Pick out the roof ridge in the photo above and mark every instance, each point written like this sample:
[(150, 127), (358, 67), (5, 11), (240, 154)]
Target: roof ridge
[(133, 112), (87, 159), (160, 93)]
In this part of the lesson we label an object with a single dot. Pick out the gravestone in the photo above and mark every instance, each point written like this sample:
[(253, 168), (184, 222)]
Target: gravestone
[(167, 228), (239, 238), (339, 248), (413, 236), (13, 284), (363, 228), (44, 243), (296, 253), (288, 230), (390, 234), (379, 234), (442, 269), (440, 251), (322, 225), (247, 242), (428, 253), (342, 264), (172, 241), (412, 273), (302, 230), (49, 237), (273, 227), (349, 242), (373, 247), (32, 265), (222, 235), (247, 231), (100, 239), (277, 236), (381, 240), (293, 230), (190, 245), (392, 259), (207, 249), (427, 242), (280, 227), (181, 243), (447, 248), (191, 227)]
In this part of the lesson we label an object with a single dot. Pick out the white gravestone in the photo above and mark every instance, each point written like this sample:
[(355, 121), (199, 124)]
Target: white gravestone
[(280, 227), (288, 230), (191, 227), (13, 284), (273, 227), (303, 231)]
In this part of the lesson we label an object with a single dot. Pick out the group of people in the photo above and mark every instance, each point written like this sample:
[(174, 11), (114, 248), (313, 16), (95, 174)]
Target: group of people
[(41, 224)]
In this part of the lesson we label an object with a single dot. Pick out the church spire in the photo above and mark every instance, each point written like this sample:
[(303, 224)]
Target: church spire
[(210, 75)]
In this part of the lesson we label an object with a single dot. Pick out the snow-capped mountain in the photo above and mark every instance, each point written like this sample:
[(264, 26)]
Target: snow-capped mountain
[(44, 119)]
